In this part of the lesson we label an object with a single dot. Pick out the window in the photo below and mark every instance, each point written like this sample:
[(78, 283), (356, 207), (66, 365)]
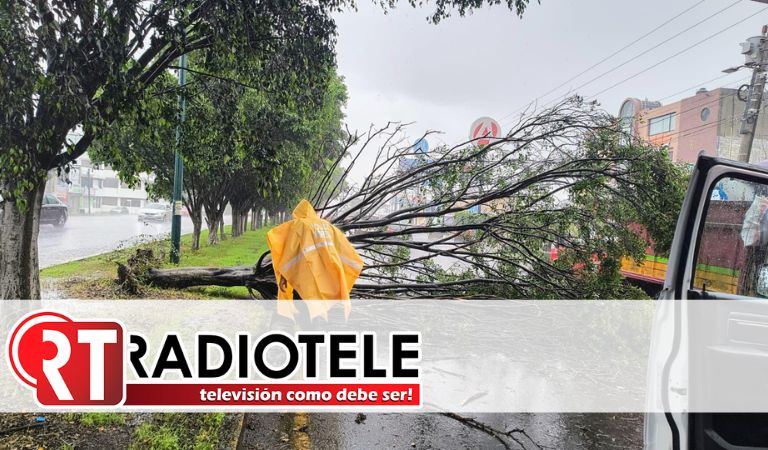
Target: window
[(110, 182), (627, 116), (50, 199), (109, 201), (704, 114), (661, 124), (732, 254)]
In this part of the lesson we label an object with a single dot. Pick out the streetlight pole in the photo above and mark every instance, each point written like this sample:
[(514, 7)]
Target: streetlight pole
[(178, 176), (755, 50)]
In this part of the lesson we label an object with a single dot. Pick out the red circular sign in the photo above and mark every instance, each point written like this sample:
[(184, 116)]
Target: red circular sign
[(484, 130)]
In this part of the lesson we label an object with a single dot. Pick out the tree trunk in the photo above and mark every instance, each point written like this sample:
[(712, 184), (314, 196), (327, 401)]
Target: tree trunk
[(212, 220), (244, 222), (197, 226), (207, 276), (19, 271), (222, 234), (235, 223), (213, 233)]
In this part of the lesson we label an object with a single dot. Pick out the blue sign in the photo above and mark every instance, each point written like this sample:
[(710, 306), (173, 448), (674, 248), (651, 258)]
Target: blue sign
[(421, 146)]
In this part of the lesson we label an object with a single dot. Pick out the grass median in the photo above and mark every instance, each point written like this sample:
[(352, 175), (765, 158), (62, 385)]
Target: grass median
[(94, 277)]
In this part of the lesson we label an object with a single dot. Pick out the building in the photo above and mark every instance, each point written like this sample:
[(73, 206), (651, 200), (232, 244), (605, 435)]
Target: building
[(707, 122), (91, 188)]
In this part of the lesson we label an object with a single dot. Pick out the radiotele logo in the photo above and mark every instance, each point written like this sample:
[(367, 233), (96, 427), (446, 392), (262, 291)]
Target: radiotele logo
[(69, 363), (82, 363)]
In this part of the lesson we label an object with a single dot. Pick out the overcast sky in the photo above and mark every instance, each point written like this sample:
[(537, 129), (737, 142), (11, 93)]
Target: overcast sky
[(399, 67)]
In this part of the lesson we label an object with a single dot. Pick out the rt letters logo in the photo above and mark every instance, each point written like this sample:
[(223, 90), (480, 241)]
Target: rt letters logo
[(68, 362)]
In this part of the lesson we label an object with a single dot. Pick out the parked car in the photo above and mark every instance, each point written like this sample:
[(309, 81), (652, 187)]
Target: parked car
[(53, 211), (120, 210), (155, 212)]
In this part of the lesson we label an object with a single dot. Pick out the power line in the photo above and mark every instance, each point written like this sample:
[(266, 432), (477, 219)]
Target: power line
[(656, 46), (624, 48), (715, 99), (621, 49), (677, 54), (741, 80), (688, 89)]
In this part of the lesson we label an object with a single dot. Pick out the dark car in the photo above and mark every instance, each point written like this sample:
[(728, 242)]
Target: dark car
[(53, 212)]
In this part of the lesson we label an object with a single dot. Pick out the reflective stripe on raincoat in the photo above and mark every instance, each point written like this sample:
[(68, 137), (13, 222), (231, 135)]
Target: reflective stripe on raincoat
[(315, 258)]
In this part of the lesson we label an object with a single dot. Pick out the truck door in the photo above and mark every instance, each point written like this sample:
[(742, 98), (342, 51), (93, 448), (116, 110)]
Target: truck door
[(720, 252)]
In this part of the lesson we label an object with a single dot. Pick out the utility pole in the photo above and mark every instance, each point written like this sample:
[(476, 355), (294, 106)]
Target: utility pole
[(755, 51), (178, 175)]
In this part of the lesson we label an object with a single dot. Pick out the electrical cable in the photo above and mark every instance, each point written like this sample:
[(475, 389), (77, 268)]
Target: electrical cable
[(620, 50), (657, 45), (677, 54)]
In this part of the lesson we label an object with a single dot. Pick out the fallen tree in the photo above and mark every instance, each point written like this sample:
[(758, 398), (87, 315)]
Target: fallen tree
[(478, 221)]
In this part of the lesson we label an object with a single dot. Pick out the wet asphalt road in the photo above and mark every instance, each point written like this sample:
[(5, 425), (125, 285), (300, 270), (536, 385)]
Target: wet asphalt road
[(84, 236), (435, 431)]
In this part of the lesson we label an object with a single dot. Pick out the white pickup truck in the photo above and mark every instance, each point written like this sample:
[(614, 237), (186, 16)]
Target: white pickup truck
[(722, 355)]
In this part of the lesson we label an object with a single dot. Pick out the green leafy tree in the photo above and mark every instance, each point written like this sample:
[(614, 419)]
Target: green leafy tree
[(238, 143), (82, 64)]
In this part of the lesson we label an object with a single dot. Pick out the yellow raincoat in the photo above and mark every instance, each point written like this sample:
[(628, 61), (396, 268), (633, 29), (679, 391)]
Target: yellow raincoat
[(315, 258)]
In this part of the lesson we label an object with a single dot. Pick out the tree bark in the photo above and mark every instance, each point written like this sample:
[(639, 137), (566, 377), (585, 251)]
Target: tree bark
[(235, 223), (222, 234), (213, 233), (19, 273), (197, 225), (212, 219), (211, 276)]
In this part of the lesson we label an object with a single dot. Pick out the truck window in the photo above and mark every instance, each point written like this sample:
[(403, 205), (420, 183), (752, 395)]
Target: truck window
[(733, 244)]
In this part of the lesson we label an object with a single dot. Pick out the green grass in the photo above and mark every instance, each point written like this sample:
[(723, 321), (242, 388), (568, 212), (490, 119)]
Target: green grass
[(240, 251), (175, 431), (156, 438), (102, 419)]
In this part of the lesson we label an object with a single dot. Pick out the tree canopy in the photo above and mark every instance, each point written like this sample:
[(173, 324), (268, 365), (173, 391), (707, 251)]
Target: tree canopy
[(82, 64)]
